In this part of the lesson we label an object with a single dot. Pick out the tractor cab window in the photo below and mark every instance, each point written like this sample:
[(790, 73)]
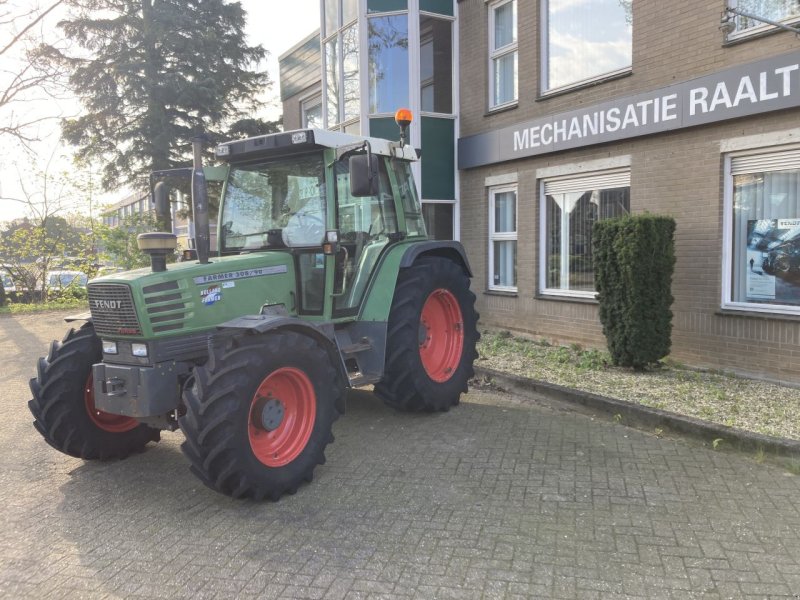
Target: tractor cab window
[(366, 225), (407, 190), (275, 204)]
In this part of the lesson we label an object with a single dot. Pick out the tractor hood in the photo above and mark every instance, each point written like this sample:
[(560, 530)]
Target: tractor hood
[(190, 297)]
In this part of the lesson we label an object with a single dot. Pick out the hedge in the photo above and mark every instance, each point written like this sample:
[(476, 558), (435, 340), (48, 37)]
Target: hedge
[(634, 258)]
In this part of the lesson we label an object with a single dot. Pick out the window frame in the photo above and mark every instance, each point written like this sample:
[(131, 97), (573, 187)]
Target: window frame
[(726, 300), (543, 290), (544, 50), (497, 53), (502, 236)]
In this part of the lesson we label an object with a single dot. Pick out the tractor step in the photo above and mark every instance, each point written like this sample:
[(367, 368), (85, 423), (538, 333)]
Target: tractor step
[(359, 379), (355, 348)]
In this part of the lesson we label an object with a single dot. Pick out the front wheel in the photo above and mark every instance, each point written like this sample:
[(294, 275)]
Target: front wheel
[(431, 338), (259, 414), (63, 404)]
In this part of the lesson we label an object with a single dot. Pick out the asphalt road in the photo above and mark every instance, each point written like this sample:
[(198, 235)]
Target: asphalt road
[(493, 499)]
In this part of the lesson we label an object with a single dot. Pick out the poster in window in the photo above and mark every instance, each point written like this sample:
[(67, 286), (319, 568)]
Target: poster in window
[(773, 261)]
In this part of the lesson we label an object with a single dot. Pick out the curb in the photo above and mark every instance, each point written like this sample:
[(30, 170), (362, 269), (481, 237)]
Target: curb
[(636, 414)]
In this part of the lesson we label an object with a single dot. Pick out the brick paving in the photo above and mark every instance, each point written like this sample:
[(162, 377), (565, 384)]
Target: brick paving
[(490, 500)]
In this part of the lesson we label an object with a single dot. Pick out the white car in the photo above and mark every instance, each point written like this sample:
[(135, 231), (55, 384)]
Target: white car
[(8, 283), (59, 280)]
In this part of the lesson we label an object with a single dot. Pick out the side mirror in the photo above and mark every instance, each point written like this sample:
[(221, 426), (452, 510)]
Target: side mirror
[(363, 175)]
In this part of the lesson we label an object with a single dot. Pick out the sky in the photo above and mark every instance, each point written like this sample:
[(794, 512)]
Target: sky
[(275, 24)]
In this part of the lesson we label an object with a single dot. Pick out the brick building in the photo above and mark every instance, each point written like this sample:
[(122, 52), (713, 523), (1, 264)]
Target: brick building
[(538, 117)]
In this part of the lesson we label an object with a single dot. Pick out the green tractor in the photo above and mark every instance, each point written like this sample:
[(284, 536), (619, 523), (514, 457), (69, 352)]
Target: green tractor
[(323, 279)]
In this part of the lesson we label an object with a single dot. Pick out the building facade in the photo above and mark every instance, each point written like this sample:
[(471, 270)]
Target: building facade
[(565, 112)]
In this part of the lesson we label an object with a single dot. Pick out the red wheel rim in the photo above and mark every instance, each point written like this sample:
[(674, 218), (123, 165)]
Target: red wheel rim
[(282, 415), (105, 421), (441, 335)]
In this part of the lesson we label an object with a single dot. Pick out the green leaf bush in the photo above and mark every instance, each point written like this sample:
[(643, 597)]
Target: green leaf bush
[(634, 258)]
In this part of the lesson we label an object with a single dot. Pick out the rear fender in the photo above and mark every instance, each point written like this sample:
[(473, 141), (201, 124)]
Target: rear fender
[(378, 299)]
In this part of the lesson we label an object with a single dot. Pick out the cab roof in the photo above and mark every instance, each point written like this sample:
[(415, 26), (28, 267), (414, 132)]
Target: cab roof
[(276, 144)]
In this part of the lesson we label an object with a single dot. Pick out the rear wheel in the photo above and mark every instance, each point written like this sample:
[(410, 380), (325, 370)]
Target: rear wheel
[(259, 414), (431, 340), (63, 404)]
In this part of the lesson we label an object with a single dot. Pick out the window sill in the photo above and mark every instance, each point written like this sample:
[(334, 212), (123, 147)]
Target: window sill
[(584, 85), (752, 314), (505, 293), (501, 108), (556, 298), (755, 35)]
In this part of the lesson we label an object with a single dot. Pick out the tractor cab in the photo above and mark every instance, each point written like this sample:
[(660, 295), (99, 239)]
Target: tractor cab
[(332, 201)]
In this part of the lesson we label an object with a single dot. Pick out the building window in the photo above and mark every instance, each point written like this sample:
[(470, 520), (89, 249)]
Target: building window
[(436, 64), (340, 41), (762, 206), (502, 53), (584, 41), (311, 112), (571, 206), (388, 63), (503, 238), (787, 11), (438, 218)]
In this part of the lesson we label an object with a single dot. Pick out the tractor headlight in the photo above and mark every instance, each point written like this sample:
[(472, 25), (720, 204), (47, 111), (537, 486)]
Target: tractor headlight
[(109, 347), (139, 350)]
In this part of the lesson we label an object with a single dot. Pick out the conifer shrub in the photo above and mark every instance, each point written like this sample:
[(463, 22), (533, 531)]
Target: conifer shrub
[(634, 258)]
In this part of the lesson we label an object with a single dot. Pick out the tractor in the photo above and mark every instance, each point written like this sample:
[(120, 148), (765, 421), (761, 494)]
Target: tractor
[(323, 279)]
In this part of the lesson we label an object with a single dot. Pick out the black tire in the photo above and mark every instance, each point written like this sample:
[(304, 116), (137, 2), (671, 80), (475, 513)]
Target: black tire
[(59, 404), (406, 384), (222, 399)]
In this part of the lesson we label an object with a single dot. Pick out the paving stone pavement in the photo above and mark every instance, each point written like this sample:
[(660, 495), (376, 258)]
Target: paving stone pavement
[(489, 500)]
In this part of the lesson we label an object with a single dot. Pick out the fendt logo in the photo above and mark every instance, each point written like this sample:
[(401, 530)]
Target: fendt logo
[(111, 304)]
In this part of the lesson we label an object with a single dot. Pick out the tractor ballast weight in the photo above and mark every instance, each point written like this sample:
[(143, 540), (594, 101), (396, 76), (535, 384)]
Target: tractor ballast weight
[(323, 278)]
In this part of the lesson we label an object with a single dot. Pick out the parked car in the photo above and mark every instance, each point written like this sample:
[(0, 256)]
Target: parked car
[(59, 280), (8, 284)]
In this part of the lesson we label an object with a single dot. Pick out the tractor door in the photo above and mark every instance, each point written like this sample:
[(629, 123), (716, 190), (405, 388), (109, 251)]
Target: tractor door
[(366, 225)]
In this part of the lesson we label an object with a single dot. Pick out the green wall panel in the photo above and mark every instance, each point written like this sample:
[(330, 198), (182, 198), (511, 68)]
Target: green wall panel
[(376, 6), (438, 159), (443, 7), (384, 127)]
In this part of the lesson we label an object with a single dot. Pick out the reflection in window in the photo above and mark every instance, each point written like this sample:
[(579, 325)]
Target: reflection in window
[(503, 52), (766, 229), (331, 16), (436, 65), (773, 10), (438, 219), (572, 206), (388, 63), (350, 73), (349, 11), (332, 81), (585, 40)]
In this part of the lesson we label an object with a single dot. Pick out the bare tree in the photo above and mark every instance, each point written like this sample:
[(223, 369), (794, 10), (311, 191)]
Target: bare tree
[(25, 75)]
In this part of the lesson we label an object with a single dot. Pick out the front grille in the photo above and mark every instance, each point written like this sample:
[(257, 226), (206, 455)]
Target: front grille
[(112, 309), (166, 306)]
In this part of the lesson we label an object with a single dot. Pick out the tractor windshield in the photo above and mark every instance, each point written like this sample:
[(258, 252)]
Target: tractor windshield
[(275, 204)]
